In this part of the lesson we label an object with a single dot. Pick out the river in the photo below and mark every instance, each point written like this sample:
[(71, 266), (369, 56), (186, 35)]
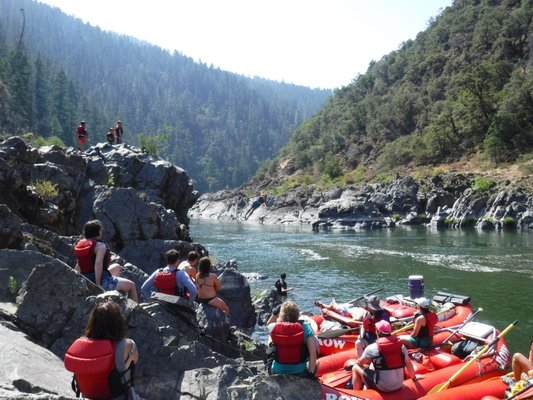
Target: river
[(494, 268)]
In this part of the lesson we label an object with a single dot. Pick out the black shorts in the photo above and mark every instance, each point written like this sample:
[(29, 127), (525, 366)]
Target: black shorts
[(370, 378)]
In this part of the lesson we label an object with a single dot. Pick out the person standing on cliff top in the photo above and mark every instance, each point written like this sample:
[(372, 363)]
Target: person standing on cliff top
[(82, 135), (119, 132)]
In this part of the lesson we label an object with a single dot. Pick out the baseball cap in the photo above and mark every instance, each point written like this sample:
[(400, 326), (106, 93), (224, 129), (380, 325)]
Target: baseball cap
[(383, 326), (422, 302), (372, 303)]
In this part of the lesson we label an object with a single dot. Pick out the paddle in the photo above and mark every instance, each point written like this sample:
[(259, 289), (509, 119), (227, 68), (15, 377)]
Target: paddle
[(336, 332), (365, 295), (409, 326), (442, 386), (463, 324), (524, 391)]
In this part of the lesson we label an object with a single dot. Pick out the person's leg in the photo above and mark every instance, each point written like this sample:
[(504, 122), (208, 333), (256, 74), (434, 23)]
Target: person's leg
[(128, 286), (357, 377), (217, 302), (114, 269), (520, 364), (360, 345)]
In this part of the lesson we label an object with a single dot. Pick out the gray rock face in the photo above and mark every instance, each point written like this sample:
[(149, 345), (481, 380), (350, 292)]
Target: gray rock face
[(185, 352), (448, 200)]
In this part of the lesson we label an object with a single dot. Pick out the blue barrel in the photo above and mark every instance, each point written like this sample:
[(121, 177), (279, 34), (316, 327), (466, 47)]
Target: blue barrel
[(416, 286)]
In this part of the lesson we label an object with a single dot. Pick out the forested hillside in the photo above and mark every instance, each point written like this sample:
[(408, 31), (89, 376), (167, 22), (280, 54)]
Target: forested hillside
[(55, 70), (462, 87)]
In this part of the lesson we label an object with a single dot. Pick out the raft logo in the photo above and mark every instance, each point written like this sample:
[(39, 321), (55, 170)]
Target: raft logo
[(503, 357), (337, 344), (335, 396)]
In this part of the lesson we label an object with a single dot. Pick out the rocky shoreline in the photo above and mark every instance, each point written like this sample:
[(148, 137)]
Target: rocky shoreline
[(451, 200), (46, 196)]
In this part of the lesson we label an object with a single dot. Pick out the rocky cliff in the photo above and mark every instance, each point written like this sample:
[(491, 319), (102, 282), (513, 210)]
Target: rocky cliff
[(46, 196), (451, 200)]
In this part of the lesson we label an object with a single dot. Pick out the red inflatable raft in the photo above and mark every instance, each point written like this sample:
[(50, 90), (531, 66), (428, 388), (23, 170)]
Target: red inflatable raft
[(454, 309), (437, 365)]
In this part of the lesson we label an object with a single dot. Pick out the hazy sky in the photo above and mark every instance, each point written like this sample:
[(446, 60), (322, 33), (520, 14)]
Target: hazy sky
[(316, 43)]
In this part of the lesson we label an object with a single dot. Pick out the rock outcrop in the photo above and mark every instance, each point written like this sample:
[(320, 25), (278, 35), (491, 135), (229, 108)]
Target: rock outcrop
[(185, 352), (449, 200)]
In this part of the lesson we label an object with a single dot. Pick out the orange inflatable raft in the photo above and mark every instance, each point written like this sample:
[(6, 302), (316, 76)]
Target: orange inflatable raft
[(438, 365), (455, 309)]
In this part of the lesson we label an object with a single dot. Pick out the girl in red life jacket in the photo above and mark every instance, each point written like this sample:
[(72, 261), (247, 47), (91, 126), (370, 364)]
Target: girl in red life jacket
[(103, 359), (424, 324), (388, 357), (295, 343), (94, 261)]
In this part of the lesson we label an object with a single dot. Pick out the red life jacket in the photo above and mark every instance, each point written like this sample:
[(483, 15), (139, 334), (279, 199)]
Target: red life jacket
[(82, 132), (93, 364), (390, 353), (431, 320), (165, 282), (369, 322), (289, 341), (84, 252)]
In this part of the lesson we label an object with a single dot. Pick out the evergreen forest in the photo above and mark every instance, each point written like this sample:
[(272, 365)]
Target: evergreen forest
[(56, 70), (463, 87)]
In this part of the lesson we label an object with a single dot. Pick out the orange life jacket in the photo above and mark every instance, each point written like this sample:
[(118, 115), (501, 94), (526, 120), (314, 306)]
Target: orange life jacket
[(86, 256), (289, 341), (390, 353), (93, 364)]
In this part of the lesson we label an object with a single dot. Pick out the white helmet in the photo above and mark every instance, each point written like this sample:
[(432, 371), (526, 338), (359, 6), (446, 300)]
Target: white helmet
[(422, 302)]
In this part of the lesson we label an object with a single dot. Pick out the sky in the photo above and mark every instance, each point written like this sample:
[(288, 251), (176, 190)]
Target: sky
[(313, 43)]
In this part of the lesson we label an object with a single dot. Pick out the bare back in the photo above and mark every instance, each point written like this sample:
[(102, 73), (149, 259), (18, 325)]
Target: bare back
[(207, 287)]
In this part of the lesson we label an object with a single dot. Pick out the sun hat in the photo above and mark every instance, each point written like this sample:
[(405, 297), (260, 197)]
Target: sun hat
[(422, 302), (383, 326), (372, 303)]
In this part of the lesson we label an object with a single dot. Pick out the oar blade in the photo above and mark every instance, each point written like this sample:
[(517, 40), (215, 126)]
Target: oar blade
[(440, 387), (335, 333)]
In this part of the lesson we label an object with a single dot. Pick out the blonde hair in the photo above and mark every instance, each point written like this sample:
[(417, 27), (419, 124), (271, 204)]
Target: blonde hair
[(289, 312)]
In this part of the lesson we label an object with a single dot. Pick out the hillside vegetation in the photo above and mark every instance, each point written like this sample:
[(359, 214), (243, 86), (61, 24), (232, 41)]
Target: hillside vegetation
[(460, 95), (56, 70)]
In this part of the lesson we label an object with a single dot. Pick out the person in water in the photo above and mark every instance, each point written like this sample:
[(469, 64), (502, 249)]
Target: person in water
[(208, 285), (281, 285), (256, 203), (295, 343), (388, 357), (424, 324)]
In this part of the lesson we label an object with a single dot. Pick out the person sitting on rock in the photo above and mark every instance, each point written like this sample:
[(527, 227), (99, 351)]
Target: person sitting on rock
[(189, 265), (388, 357), (110, 136), (105, 351), (256, 203), (208, 285), (94, 261), (368, 333), (424, 323), (170, 280), (295, 344)]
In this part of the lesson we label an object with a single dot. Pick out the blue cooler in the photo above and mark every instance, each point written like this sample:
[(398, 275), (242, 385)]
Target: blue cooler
[(416, 286)]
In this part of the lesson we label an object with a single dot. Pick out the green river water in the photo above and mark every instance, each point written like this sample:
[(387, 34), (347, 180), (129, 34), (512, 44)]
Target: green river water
[(494, 268)]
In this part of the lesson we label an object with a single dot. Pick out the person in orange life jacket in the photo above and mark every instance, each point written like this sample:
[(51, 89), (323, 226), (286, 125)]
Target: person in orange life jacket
[(208, 285), (387, 357), (94, 261), (424, 324), (296, 345), (110, 136), (119, 132), (82, 135), (367, 333), (170, 280), (105, 332), (190, 264)]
